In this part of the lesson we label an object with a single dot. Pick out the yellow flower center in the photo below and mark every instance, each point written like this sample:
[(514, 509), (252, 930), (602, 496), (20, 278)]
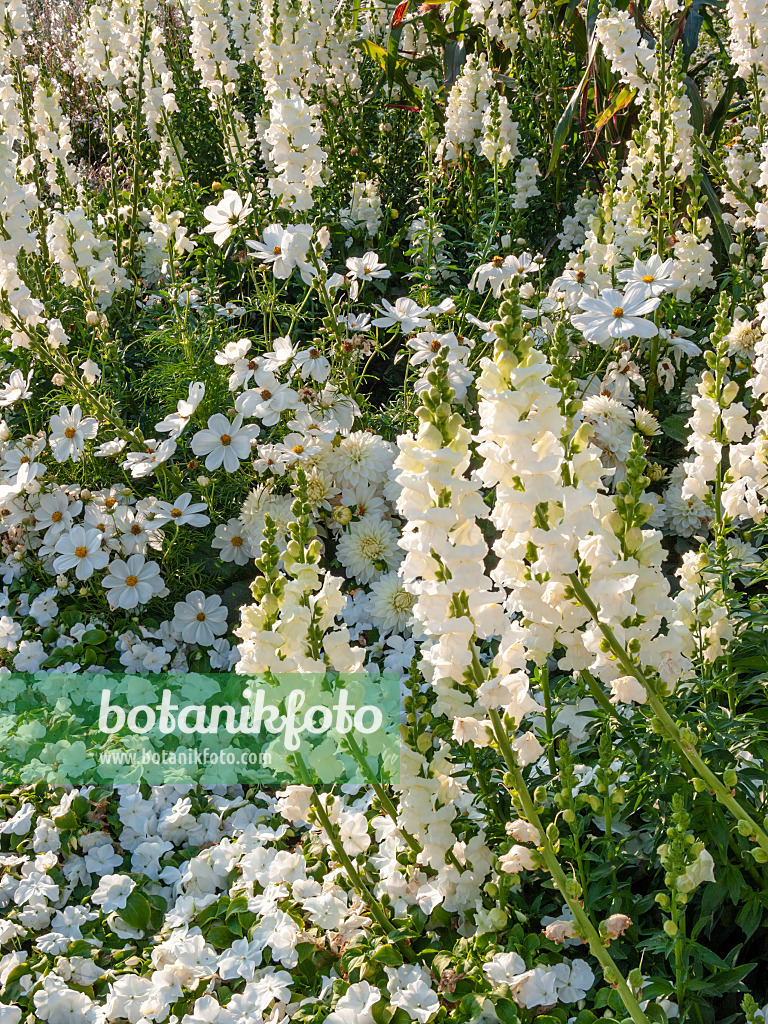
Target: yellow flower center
[(81, 551), (225, 440), (200, 616), (266, 394), (176, 512), (131, 581), (237, 542), (618, 311), (69, 432), (57, 517), (298, 449), (277, 250), (110, 502), (647, 278)]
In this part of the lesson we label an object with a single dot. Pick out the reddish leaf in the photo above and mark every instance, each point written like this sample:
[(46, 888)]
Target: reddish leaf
[(400, 12)]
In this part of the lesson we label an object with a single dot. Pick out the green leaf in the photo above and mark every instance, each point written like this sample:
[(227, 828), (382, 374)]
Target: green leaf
[(620, 101), (136, 912), (697, 107), (238, 906), (675, 427), (93, 637), (506, 1011), (563, 126), (716, 213)]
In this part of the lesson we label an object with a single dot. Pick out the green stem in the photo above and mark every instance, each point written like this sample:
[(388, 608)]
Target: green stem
[(586, 929), (667, 726)]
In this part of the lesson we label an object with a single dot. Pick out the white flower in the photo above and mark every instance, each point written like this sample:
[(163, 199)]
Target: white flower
[(503, 968), (80, 550), (283, 350), (500, 271), (651, 279), (267, 401), (176, 422), (17, 388), (626, 689), (368, 549), (701, 870), (69, 432), (614, 315), (527, 748), (231, 542), (133, 582), (360, 458), (390, 605), (143, 464), (199, 619), (224, 443), (113, 892), (364, 268), (405, 313), (312, 361), (355, 1005), (180, 512), (517, 859), (226, 215), (286, 249)]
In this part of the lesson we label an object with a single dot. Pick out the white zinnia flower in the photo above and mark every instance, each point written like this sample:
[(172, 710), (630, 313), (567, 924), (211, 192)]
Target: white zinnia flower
[(69, 432), (390, 605), (360, 458), (368, 549)]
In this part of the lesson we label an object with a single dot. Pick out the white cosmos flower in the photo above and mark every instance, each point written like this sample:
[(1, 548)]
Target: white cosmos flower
[(133, 582), (311, 361), (80, 550), (69, 432), (17, 388), (180, 512), (226, 215), (232, 543), (651, 279), (176, 422), (614, 315), (283, 350), (405, 313), (267, 401), (199, 619), (224, 443), (365, 268), (143, 463), (285, 249)]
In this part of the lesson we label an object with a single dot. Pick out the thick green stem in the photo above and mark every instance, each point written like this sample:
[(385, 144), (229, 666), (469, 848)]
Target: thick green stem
[(586, 929)]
